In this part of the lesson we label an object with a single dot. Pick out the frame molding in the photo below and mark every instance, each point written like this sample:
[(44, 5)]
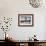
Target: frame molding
[(26, 15)]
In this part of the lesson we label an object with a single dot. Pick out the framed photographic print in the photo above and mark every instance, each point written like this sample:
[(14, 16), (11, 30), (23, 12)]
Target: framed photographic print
[(25, 20)]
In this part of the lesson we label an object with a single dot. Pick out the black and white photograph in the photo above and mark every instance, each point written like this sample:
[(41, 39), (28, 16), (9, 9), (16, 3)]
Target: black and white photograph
[(25, 19)]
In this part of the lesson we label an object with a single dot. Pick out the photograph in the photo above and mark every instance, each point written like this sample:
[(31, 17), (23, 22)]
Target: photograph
[(25, 19)]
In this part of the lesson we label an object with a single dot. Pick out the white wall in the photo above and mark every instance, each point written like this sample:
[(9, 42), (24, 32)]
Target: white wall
[(11, 8)]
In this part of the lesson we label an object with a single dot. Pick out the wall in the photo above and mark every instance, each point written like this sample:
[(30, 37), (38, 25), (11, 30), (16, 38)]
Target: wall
[(11, 8)]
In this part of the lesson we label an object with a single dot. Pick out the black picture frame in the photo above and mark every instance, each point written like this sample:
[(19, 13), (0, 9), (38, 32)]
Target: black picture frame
[(26, 20)]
